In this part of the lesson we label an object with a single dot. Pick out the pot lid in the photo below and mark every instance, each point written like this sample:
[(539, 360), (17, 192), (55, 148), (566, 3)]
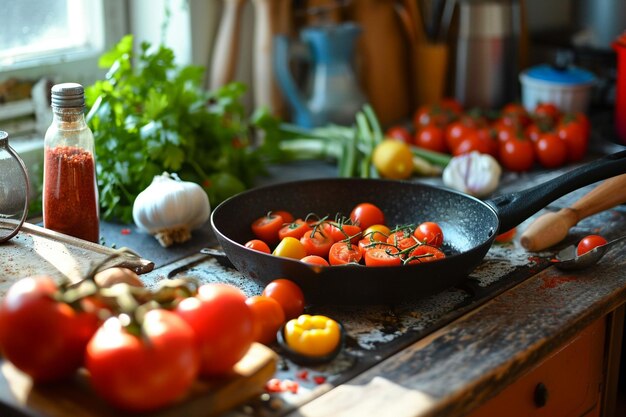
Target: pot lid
[(569, 75)]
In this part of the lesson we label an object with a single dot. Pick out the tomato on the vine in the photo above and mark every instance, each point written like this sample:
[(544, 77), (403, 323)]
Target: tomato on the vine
[(258, 245), (455, 132), (41, 336), (343, 231), (365, 215), (473, 142), (431, 137), (573, 134), (317, 243), (315, 260), (296, 228), (425, 253), (222, 322), (266, 228), (267, 317), (290, 247), (377, 232), (548, 111), (517, 154), (343, 253), (143, 372), (383, 256), (287, 216), (588, 243), (402, 239), (551, 150), (429, 233), (288, 294)]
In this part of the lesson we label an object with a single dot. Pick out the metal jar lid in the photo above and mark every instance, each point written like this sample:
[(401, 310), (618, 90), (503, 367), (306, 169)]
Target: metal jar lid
[(68, 95)]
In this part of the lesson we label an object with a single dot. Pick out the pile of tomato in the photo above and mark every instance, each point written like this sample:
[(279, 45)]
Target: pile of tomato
[(362, 238), (517, 138), (141, 349)]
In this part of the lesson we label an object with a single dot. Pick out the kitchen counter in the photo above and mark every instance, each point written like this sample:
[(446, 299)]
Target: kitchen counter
[(448, 354)]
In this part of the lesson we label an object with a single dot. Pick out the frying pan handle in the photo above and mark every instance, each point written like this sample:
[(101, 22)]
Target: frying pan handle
[(514, 208)]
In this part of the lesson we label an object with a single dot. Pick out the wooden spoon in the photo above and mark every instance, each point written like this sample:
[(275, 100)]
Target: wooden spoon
[(550, 228), (224, 63)]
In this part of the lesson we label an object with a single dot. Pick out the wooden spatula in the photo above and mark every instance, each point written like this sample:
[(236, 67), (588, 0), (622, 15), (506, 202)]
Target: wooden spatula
[(550, 228)]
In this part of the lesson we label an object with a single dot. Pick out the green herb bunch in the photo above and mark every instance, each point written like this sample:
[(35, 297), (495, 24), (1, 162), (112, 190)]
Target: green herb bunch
[(149, 116)]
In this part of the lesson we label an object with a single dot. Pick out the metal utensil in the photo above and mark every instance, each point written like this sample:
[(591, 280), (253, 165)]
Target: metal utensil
[(567, 259)]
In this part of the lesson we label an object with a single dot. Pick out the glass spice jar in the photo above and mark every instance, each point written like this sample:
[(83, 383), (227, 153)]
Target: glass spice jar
[(70, 191)]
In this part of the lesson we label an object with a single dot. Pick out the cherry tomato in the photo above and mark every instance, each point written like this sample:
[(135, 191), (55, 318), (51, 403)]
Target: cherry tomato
[(288, 294), (343, 253), (296, 229), (425, 253), (146, 372), (431, 137), (434, 114), (399, 133), (506, 236), (489, 136), (42, 337), (547, 111), (343, 231), (258, 245), (517, 154), (290, 247), (473, 142), (382, 257), (315, 260), (455, 133), (429, 233), (266, 228), (267, 317), (377, 233), (402, 239), (365, 215), (573, 134), (515, 114), (316, 243), (223, 324), (287, 216), (551, 150), (588, 243)]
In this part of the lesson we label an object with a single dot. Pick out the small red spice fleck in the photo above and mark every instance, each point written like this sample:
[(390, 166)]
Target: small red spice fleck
[(291, 386), (553, 282), (303, 374), (319, 379), (125, 231), (273, 385)]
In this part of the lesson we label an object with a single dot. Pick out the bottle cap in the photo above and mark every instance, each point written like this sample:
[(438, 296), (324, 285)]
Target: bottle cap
[(68, 95)]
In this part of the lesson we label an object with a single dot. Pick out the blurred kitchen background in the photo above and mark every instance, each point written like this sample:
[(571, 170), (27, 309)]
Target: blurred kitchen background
[(397, 55)]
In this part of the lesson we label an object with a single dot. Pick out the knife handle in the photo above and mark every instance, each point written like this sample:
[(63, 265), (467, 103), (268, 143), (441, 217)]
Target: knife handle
[(550, 228)]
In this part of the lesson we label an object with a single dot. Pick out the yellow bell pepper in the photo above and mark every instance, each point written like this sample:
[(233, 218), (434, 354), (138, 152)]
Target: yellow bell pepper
[(312, 335)]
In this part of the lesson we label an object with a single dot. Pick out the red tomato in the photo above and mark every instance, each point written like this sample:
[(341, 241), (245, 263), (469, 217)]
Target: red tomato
[(425, 253), (365, 215), (489, 136), (473, 142), (431, 137), (399, 133), (288, 294), (434, 114), (42, 337), (339, 232), (222, 321), (266, 228), (429, 233), (146, 372), (504, 132), (317, 243), (551, 150), (267, 317), (588, 243), (258, 245), (296, 229), (517, 154), (287, 216), (315, 260), (343, 253), (547, 111), (573, 134), (402, 239), (455, 133), (533, 131), (515, 114), (382, 257), (506, 236), (451, 104)]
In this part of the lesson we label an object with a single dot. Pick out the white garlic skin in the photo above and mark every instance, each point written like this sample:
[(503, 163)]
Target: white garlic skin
[(169, 203), (473, 173)]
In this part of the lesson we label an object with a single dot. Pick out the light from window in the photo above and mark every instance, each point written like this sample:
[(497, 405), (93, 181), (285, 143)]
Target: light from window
[(34, 32)]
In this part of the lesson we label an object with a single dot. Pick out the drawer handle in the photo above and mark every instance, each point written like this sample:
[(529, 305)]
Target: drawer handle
[(541, 395)]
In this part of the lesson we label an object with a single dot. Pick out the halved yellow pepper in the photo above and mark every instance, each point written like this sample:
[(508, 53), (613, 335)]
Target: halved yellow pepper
[(312, 335)]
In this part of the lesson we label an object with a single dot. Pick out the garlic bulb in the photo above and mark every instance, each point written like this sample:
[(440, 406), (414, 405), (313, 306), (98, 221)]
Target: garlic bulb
[(473, 173), (170, 209)]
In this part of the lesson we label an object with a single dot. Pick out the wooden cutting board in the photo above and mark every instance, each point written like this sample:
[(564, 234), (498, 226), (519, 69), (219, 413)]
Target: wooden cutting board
[(75, 398)]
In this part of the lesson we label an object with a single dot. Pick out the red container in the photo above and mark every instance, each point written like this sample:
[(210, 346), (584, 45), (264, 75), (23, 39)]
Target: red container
[(620, 92)]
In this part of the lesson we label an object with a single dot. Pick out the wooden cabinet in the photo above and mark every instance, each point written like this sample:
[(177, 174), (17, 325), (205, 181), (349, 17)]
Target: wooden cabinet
[(567, 383)]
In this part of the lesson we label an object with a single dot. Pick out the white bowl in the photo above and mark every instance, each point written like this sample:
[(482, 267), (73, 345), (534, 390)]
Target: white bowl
[(570, 91)]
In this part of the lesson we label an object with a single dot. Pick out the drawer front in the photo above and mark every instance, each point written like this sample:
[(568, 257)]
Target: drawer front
[(567, 383)]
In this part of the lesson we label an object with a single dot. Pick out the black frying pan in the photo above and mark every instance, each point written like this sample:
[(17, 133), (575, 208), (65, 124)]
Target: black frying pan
[(469, 226)]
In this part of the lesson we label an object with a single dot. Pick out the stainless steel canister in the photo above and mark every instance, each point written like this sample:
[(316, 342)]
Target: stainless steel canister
[(486, 53)]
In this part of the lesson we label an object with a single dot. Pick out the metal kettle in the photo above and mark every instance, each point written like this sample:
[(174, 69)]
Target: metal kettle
[(335, 95)]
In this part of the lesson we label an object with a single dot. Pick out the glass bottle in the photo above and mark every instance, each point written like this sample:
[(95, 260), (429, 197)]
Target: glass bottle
[(70, 191)]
